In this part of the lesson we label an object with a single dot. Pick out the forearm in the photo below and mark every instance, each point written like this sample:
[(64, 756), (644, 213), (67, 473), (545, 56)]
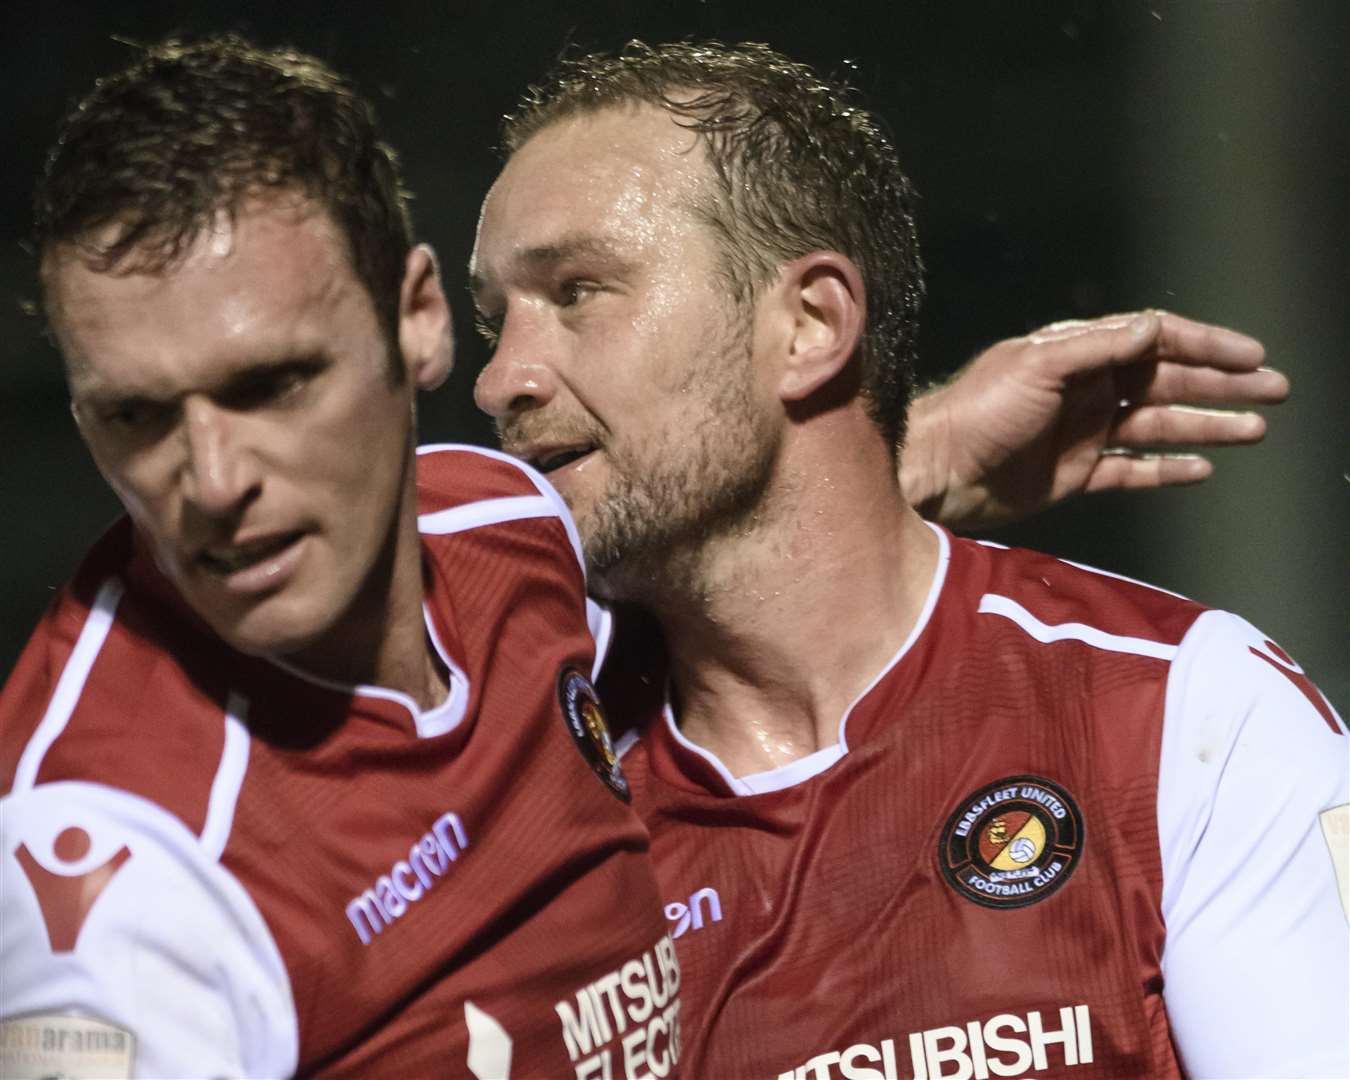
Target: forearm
[(922, 458)]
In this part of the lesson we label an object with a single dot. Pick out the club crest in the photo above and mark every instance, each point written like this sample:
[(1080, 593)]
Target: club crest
[(1012, 842), (586, 723)]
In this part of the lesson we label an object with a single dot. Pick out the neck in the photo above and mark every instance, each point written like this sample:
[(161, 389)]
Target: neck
[(382, 639), (774, 631)]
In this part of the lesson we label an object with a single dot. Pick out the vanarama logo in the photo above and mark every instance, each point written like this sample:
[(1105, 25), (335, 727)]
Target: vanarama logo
[(1003, 1045), (1012, 842), (59, 1044)]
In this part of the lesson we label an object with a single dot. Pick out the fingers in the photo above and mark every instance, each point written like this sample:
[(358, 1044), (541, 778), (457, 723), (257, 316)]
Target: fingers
[(1192, 342), (1076, 346), (1181, 425), (1132, 472), (1171, 382), (1068, 328)]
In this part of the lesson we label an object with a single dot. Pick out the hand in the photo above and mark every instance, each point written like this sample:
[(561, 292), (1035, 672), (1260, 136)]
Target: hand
[(1073, 408)]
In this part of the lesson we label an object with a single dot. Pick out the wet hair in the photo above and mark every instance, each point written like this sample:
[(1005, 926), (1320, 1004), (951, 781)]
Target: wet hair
[(157, 151), (800, 167)]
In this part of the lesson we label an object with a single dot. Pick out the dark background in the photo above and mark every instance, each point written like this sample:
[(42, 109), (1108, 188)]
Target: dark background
[(1074, 158)]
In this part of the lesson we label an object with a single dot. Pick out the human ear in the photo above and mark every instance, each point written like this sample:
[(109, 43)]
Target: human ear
[(425, 335), (823, 295)]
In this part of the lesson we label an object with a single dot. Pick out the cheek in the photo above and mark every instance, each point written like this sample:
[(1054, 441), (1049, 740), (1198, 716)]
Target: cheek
[(354, 431), (135, 505), (355, 461), (381, 436), (157, 519), (143, 485), (686, 339)]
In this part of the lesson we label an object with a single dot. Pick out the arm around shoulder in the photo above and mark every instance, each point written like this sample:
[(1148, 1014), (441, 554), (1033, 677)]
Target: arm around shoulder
[(1079, 407)]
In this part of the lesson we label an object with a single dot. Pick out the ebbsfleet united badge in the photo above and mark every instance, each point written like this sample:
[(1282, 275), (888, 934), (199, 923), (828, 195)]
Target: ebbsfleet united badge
[(586, 723), (1012, 842)]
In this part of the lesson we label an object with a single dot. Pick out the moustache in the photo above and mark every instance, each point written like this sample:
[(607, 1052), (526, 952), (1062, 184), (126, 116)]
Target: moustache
[(521, 436)]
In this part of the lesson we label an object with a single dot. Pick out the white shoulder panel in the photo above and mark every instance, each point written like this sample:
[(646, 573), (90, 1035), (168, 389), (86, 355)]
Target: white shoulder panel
[(111, 908), (548, 503), (1257, 958)]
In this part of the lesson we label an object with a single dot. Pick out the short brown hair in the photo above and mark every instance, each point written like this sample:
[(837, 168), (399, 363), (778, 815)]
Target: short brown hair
[(192, 129), (800, 167)]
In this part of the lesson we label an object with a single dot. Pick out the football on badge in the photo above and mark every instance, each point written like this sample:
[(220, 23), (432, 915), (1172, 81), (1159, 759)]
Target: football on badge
[(1022, 850)]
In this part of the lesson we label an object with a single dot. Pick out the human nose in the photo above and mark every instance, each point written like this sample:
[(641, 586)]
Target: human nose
[(218, 473), (516, 379)]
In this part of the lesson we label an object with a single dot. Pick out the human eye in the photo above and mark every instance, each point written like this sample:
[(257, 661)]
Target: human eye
[(271, 385), (574, 291), (488, 327), (134, 416)]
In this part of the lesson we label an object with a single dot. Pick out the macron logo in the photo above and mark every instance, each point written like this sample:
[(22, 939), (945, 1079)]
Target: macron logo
[(408, 879), (704, 905)]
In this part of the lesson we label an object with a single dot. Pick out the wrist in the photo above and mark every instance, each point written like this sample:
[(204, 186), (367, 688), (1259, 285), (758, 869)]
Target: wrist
[(925, 455)]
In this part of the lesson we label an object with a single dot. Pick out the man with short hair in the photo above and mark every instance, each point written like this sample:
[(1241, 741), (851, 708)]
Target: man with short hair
[(288, 705), (304, 771), (920, 806)]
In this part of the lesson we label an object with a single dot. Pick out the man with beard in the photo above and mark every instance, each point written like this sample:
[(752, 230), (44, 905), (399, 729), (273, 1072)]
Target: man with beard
[(293, 711), (919, 806), (303, 772)]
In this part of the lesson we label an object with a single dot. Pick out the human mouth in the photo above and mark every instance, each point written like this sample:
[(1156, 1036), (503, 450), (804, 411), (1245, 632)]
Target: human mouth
[(552, 461), (257, 565)]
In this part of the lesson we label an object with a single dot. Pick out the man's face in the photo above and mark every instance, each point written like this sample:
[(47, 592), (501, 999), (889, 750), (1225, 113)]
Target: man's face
[(622, 367), (242, 405)]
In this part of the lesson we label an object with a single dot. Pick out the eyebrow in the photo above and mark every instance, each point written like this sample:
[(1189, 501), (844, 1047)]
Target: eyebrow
[(102, 396), (545, 256)]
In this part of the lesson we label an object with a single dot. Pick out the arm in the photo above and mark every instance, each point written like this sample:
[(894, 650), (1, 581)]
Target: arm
[(1071, 408), (1252, 781), (113, 921)]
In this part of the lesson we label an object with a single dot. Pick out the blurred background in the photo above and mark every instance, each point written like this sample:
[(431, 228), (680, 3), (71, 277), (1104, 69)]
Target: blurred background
[(1074, 158)]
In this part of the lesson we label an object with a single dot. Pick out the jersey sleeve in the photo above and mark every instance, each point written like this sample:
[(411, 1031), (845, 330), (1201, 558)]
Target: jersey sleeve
[(127, 949), (1252, 784), (460, 487)]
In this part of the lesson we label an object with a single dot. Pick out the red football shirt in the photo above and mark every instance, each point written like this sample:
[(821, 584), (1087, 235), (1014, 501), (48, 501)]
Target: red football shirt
[(224, 867), (1075, 827)]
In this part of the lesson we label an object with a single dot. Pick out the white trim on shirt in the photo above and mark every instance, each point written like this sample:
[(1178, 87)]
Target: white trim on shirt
[(71, 683)]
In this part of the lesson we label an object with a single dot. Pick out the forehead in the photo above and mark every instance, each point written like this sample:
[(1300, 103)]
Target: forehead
[(274, 277), (629, 174)]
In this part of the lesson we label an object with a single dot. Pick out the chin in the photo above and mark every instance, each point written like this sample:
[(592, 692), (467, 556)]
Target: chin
[(272, 645), (273, 634)]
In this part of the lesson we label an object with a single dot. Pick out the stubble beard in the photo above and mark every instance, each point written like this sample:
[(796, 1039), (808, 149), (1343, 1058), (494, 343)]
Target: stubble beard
[(651, 536)]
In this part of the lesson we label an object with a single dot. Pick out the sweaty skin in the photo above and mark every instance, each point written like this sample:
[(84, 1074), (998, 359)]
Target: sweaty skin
[(709, 491), (241, 403), (666, 447)]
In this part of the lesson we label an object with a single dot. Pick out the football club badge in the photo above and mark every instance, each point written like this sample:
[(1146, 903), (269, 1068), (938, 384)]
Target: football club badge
[(1012, 842), (586, 724)]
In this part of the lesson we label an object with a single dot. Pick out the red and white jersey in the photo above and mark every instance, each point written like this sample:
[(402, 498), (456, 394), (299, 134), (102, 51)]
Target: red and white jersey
[(1077, 826), (214, 865)]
